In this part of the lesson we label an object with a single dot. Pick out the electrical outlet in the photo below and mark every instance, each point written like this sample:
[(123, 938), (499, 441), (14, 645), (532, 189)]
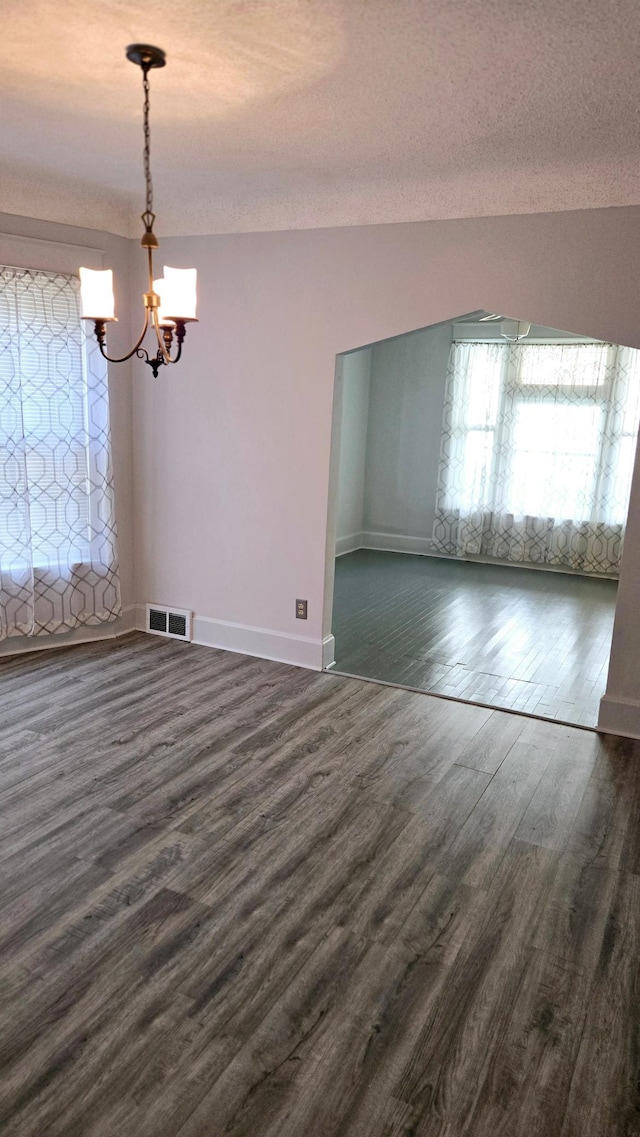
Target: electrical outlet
[(301, 609)]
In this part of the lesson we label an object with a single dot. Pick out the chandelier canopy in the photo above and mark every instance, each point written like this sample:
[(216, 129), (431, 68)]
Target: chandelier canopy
[(169, 302)]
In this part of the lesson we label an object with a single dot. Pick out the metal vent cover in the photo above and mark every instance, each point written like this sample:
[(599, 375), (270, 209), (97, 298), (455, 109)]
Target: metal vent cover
[(177, 625), (157, 620), (174, 622)]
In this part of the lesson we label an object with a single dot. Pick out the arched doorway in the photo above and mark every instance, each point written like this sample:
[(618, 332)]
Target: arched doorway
[(480, 482)]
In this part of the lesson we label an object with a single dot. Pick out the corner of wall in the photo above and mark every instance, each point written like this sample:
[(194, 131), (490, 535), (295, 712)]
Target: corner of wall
[(348, 544)]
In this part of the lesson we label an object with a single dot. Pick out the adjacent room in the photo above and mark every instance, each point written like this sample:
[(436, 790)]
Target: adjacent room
[(483, 487)]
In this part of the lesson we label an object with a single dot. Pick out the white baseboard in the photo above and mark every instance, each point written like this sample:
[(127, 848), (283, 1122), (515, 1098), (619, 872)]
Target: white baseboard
[(348, 544), (282, 647), (301, 651), (20, 645), (619, 716), (396, 543)]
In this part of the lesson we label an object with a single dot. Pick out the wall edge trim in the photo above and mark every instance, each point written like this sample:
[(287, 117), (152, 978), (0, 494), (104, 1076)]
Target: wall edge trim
[(619, 716), (328, 651)]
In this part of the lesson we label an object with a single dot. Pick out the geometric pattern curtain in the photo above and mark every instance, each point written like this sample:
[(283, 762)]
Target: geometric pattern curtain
[(58, 557), (538, 448)]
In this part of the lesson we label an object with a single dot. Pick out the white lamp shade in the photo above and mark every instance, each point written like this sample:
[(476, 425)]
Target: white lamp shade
[(177, 293), (96, 292)]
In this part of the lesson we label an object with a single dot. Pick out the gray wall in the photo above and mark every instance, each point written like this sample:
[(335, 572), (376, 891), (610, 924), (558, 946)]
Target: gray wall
[(408, 377)]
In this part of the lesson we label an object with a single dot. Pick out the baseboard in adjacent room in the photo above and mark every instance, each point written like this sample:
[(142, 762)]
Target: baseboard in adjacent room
[(423, 546), (619, 716), (348, 544), (396, 543)]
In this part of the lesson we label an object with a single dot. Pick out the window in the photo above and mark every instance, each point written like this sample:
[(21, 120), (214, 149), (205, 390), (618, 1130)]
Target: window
[(57, 530), (44, 438), (559, 398), (538, 450)]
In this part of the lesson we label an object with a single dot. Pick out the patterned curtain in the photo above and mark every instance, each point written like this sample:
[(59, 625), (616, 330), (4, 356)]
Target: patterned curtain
[(538, 448), (58, 560)]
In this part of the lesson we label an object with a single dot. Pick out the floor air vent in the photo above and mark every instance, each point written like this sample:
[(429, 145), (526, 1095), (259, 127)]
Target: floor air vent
[(168, 622)]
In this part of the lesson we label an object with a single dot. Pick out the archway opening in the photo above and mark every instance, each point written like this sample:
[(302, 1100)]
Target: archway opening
[(481, 474)]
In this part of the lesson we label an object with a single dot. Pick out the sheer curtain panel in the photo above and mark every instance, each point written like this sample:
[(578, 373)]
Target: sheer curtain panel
[(58, 559), (538, 447)]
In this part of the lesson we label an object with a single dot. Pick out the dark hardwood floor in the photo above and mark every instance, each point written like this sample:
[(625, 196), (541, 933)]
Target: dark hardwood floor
[(530, 641), (243, 899)]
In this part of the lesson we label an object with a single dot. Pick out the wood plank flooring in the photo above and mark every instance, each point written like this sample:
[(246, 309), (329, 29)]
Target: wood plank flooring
[(239, 898), (530, 641)]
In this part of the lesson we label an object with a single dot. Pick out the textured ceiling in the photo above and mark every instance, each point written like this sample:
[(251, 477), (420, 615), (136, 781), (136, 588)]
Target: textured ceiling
[(290, 113)]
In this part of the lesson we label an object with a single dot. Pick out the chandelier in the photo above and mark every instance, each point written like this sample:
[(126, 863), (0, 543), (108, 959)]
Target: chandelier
[(169, 303)]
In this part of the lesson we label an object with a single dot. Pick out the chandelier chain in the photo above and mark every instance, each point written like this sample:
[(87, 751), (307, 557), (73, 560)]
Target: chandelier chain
[(147, 142)]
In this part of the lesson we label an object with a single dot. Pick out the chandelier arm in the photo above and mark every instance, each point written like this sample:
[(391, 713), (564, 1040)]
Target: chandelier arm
[(164, 336), (179, 352), (164, 351), (100, 333), (181, 332)]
